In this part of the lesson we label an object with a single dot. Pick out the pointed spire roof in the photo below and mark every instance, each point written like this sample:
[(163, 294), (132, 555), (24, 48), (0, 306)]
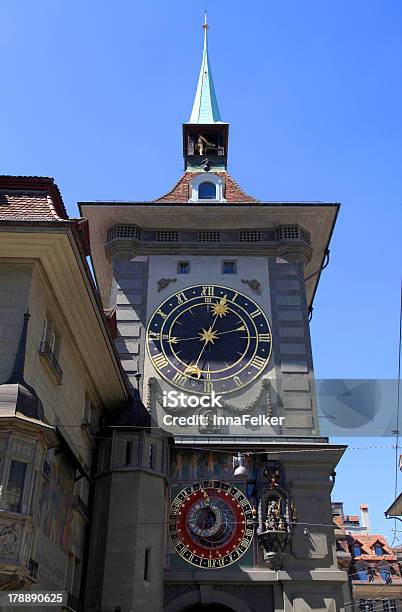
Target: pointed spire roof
[(27, 402), (205, 107)]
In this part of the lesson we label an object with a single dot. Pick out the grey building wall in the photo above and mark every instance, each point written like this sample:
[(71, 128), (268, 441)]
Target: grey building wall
[(128, 520), (129, 297), (292, 354)]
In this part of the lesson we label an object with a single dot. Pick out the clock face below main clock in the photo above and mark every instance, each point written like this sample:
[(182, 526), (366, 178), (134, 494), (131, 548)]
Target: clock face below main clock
[(209, 338), (211, 524)]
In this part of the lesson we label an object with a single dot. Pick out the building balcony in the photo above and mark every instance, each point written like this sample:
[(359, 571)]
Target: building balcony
[(50, 360)]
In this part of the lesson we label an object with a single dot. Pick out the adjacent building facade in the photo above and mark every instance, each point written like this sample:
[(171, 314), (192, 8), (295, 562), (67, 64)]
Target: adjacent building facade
[(59, 376), (373, 566)]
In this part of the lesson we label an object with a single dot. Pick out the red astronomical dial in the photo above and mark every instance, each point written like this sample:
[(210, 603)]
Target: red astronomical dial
[(211, 524)]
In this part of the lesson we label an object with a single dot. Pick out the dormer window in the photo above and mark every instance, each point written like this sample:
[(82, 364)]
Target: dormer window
[(379, 551), (207, 191), (207, 187)]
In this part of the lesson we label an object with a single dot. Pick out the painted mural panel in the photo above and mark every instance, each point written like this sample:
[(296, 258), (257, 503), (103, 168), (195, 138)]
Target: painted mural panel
[(55, 503), (190, 466)]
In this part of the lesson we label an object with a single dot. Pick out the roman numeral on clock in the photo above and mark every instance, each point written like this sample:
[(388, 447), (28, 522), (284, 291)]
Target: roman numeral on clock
[(244, 542), (264, 337), (237, 381), (208, 290), (179, 379), (258, 362), (160, 360), (181, 298), (176, 541), (255, 313), (208, 386)]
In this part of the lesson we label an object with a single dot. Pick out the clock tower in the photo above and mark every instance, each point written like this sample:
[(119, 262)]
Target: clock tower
[(213, 486)]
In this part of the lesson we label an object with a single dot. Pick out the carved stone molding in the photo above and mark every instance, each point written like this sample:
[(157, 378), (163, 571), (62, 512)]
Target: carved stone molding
[(254, 285), (275, 516), (165, 282)]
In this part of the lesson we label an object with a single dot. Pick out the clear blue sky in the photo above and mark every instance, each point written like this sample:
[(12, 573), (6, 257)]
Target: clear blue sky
[(94, 94)]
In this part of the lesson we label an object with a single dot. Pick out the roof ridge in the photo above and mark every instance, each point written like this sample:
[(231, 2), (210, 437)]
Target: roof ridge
[(234, 194), (165, 195), (241, 188), (38, 183)]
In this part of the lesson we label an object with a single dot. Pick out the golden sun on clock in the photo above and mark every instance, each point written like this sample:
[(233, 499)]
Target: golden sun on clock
[(209, 338)]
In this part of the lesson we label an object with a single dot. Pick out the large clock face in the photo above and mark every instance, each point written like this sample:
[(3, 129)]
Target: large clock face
[(209, 338), (211, 524)]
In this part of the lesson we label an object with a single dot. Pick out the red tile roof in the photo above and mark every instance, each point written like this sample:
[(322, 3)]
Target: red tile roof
[(30, 198), (352, 518), (181, 191), (338, 522), (368, 542)]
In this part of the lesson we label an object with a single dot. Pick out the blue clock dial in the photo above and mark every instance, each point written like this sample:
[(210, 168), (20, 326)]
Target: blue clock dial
[(209, 338)]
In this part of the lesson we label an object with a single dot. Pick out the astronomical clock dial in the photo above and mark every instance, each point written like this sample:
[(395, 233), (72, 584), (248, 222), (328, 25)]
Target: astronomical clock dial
[(211, 524), (209, 338)]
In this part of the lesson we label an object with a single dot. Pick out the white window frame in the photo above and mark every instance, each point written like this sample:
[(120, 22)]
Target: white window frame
[(207, 178), (44, 332), (229, 261), (52, 341), (181, 262)]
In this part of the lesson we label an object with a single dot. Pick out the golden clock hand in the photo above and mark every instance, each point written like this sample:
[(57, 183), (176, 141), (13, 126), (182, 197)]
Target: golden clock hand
[(217, 334), (183, 339), (210, 335), (206, 339), (229, 331), (176, 340), (199, 356)]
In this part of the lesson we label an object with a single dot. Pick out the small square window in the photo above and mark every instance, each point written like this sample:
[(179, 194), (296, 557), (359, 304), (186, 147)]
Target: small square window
[(229, 267), (183, 267), (147, 559)]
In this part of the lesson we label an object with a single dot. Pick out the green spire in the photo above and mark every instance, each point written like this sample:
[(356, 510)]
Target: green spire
[(205, 107)]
